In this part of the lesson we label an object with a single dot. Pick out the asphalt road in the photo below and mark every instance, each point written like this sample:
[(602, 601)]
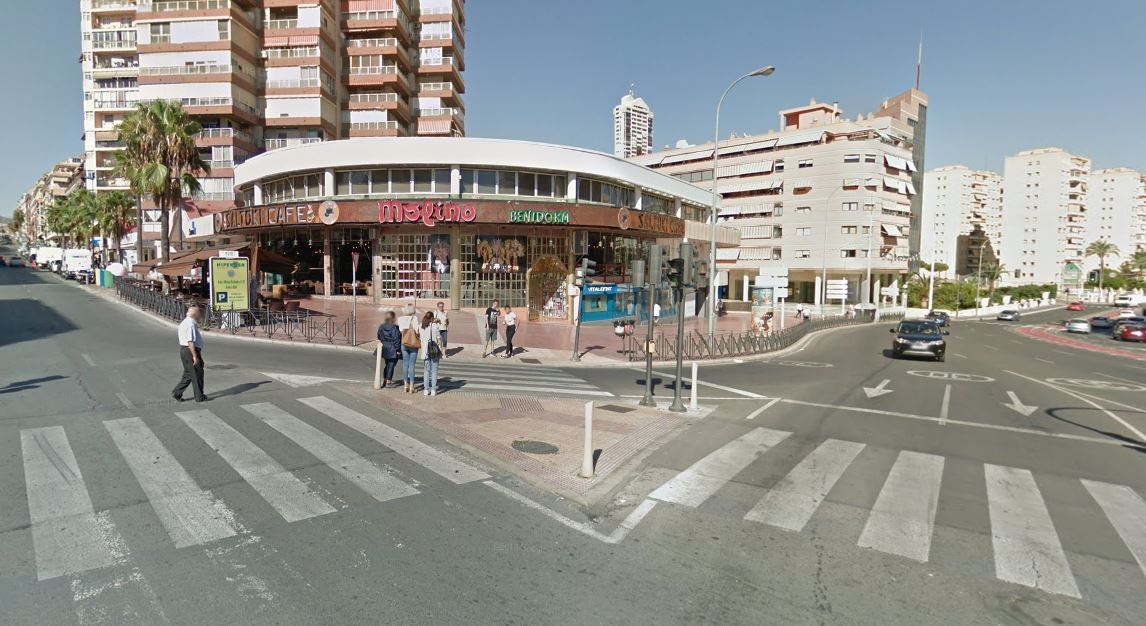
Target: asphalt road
[(800, 499)]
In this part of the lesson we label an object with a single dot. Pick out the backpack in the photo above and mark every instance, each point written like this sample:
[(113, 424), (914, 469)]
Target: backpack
[(410, 338), (433, 351)]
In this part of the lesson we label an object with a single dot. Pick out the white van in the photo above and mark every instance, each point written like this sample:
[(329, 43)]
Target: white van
[(76, 261), (48, 257), (1129, 299)]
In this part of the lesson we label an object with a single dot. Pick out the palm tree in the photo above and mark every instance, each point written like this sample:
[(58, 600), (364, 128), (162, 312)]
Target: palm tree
[(992, 273), (1101, 249), (17, 223), (1137, 261), (160, 158), (117, 214)]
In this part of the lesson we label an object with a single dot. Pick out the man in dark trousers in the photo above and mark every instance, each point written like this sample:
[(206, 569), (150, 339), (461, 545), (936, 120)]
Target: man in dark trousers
[(191, 354)]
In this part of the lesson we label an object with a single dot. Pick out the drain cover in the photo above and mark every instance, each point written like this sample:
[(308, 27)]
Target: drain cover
[(531, 361), (616, 408), (534, 447)]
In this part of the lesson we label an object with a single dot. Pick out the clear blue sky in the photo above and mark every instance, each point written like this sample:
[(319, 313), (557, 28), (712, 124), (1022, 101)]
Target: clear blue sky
[(1001, 76)]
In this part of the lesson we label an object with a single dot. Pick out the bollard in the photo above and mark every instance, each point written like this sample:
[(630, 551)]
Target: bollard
[(692, 394), (587, 458), (378, 366)]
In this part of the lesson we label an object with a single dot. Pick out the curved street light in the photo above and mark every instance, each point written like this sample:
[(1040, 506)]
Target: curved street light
[(764, 71)]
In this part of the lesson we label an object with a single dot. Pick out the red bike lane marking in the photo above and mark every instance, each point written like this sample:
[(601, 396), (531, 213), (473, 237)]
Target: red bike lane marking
[(1044, 334)]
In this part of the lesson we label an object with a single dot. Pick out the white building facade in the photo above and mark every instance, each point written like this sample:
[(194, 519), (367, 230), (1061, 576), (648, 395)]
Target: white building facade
[(1117, 212), (959, 201), (632, 127), (1045, 217)]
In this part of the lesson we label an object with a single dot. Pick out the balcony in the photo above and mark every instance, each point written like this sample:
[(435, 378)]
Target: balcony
[(113, 6), (291, 53), (175, 6), (217, 106), (380, 75), (115, 68), (127, 42), (448, 112), (126, 100), (221, 136), (281, 24), (295, 83), (375, 129), (195, 69), (277, 143), (377, 20), (373, 42)]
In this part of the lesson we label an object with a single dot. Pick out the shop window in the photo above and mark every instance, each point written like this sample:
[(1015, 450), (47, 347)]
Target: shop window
[(487, 182), (423, 181), (467, 182), (506, 183)]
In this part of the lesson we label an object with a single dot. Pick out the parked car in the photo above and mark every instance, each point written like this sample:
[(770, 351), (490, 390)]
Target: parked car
[(1076, 306), (15, 261), (939, 317), (1101, 322), (1131, 332), (1078, 325), (1010, 315), (920, 338)]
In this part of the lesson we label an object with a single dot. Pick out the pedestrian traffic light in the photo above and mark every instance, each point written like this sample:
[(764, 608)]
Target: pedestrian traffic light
[(687, 275), (656, 265), (676, 272), (587, 271)]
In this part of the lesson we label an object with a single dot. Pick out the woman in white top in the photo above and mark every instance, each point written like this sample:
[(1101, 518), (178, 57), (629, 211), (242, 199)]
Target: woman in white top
[(408, 322), (430, 332), (510, 330)]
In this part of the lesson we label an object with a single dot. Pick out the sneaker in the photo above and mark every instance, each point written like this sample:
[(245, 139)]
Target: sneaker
[(433, 392), (425, 393)]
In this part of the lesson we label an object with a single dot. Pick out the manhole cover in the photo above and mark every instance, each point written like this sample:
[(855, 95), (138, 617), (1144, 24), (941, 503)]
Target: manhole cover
[(534, 447), (531, 361), (616, 408)]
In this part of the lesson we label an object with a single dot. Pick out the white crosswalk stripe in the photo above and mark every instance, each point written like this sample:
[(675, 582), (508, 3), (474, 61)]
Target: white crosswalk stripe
[(516, 379), (705, 477), (280, 488), (903, 518), (791, 503), (1027, 548), (67, 534), (190, 515), (432, 459), (380, 484), (1126, 511)]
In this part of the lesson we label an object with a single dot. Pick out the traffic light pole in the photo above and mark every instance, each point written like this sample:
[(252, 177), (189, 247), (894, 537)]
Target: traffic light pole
[(577, 330), (677, 406), (648, 399)]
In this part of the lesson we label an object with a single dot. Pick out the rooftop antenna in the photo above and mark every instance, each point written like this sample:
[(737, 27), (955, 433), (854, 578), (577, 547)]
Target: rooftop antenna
[(632, 85), (919, 61)]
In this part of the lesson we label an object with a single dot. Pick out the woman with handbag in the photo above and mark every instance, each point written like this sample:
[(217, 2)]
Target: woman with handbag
[(430, 333), (411, 345), (390, 343)]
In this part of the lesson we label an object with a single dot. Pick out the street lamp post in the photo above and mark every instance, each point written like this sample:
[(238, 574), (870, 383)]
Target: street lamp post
[(764, 71), (979, 278), (931, 283)]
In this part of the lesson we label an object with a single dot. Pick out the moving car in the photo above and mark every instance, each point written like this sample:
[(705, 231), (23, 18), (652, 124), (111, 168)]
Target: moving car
[(920, 338), (1010, 315), (1078, 325), (1129, 300), (1100, 321), (939, 317), (15, 261), (1132, 332), (1125, 313), (1119, 323), (1076, 306)]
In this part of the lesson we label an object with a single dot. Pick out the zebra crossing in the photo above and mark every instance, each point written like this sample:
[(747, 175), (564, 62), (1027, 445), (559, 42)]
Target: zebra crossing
[(69, 536), (901, 521), (513, 378)]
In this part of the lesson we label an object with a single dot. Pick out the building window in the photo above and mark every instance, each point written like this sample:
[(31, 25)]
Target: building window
[(851, 158), (776, 255), (423, 181), (869, 158), (849, 230), (506, 183), (526, 184), (803, 254), (778, 166), (803, 209), (487, 182), (224, 29), (848, 254), (869, 207), (441, 181), (849, 206), (803, 231), (804, 163), (161, 32)]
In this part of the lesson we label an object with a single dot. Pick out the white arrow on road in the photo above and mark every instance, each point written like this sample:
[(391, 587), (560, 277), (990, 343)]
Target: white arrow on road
[(1017, 405), (878, 390)]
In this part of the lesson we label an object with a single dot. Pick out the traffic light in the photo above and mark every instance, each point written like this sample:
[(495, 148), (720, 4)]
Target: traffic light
[(676, 272), (585, 273), (637, 276), (688, 265)]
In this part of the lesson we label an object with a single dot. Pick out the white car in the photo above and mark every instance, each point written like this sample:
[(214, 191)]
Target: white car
[(1125, 313), (1129, 299), (1078, 325)]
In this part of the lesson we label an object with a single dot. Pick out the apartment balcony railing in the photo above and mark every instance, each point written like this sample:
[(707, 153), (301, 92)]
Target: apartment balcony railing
[(118, 103), (98, 5), (294, 83), (216, 133), (437, 11), (114, 44), (220, 164), (435, 86), (388, 125), (376, 16), (376, 97), (374, 69), (454, 112), (275, 143), (186, 70), (122, 24), (166, 6), (218, 102), (291, 53), (281, 23), (375, 42), (437, 36), (437, 61), (123, 65), (209, 196)]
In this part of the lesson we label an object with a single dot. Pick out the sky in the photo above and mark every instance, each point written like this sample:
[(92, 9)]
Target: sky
[(1001, 76)]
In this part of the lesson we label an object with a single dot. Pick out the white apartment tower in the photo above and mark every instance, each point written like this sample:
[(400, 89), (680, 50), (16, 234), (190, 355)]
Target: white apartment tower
[(632, 127), (957, 202), (1117, 212), (1045, 217)]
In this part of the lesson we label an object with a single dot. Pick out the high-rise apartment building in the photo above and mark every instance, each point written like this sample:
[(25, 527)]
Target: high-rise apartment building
[(960, 205), (632, 127), (267, 75), (1116, 212), (1045, 200), (55, 185), (825, 197)]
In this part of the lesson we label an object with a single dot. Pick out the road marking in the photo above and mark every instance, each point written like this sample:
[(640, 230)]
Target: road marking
[(190, 515), (1014, 341), (956, 376), (991, 347), (1027, 548), (1017, 405), (1096, 384), (1063, 352), (878, 390), (705, 477), (381, 485), (946, 405), (1044, 360), (124, 399), (88, 359), (791, 503), (760, 410), (802, 363), (1127, 514), (1125, 380), (67, 535), (629, 523), (463, 384), (299, 380), (1126, 408), (961, 356), (1085, 398), (280, 488), (747, 394), (903, 518), (431, 458), (518, 382)]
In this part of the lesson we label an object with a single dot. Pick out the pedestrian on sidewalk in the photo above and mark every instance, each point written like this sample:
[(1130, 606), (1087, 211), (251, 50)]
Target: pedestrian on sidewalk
[(807, 314), (799, 310), (443, 319), (390, 343), (411, 344), (492, 312), (510, 330), (430, 333), (191, 354), (656, 312)]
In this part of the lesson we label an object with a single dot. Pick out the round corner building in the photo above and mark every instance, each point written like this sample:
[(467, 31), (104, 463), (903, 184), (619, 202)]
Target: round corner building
[(465, 220)]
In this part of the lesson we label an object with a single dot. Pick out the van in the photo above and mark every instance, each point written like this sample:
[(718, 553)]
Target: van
[(76, 261), (1129, 299)]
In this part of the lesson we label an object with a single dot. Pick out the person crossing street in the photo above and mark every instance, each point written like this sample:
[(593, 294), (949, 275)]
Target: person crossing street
[(510, 330), (191, 355)]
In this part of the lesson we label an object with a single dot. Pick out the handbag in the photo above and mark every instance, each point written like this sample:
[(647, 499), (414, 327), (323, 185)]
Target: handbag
[(410, 339), (433, 351)]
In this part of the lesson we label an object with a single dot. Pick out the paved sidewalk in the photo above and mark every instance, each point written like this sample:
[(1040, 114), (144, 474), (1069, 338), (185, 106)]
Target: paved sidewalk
[(548, 432)]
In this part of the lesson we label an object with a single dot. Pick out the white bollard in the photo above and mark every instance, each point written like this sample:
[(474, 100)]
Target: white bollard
[(587, 459), (692, 391), (378, 366)]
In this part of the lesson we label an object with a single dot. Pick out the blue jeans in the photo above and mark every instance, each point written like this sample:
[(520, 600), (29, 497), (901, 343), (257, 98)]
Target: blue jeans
[(444, 333), (388, 369), (430, 374), (409, 358)]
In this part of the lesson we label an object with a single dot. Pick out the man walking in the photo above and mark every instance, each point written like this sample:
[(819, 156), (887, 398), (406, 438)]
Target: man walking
[(443, 320), (191, 354), (491, 315)]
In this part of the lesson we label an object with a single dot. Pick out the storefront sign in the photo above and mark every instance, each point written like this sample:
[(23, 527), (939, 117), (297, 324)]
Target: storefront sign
[(428, 213), (229, 287), (538, 217), (254, 217), (596, 289), (657, 223), (328, 212)]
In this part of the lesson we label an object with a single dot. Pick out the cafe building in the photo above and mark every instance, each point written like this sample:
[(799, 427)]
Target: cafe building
[(464, 220)]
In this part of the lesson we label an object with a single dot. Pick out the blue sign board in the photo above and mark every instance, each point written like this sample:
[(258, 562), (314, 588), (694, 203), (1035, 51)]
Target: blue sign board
[(599, 288)]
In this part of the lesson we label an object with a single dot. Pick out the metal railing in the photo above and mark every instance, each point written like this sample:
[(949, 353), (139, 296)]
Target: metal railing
[(696, 345), (190, 69), (290, 22), (375, 42), (163, 6), (376, 97), (291, 325), (435, 86), (374, 69), (390, 125), (274, 143), (293, 83), (291, 53)]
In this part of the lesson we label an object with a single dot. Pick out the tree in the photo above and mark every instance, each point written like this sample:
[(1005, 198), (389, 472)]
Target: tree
[(17, 223), (941, 267), (160, 158), (75, 218), (1101, 249), (992, 272), (1137, 261), (116, 215)]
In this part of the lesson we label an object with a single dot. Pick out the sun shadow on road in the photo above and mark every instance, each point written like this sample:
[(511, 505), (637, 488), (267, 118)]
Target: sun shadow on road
[(31, 383), (1130, 442), (237, 389)]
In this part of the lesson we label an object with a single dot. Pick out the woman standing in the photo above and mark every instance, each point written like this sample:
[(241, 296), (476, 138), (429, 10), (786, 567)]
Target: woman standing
[(510, 330), (411, 344), (390, 343), (430, 333)]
